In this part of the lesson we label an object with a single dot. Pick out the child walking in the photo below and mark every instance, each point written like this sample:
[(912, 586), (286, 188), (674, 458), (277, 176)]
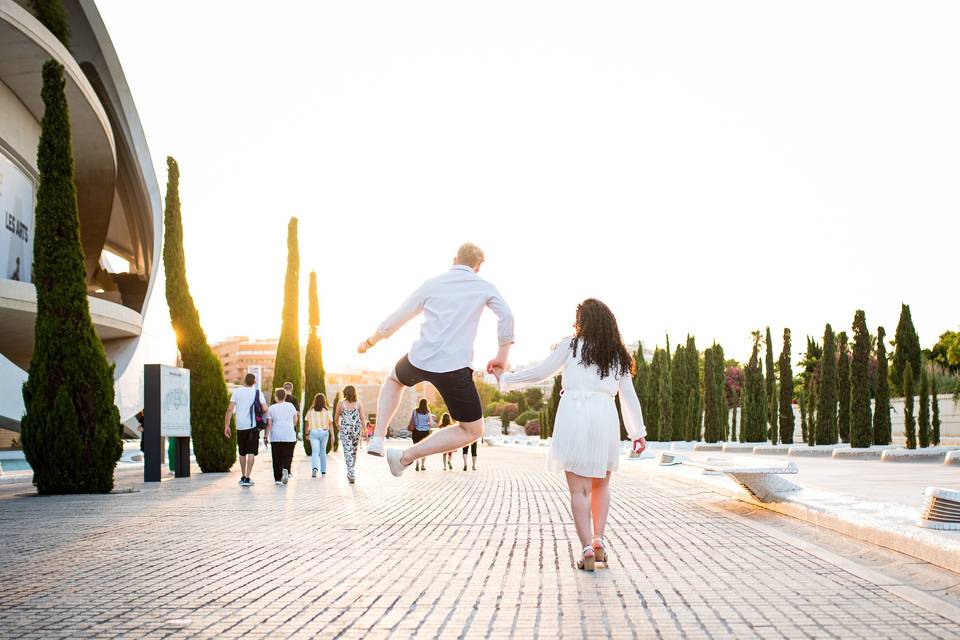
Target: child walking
[(281, 418), (350, 417), (596, 367), (446, 421)]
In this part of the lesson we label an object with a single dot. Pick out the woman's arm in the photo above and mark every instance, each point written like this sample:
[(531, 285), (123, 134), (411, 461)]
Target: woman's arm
[(546, 369), (306, 425), (363, 416), (630, 406), (336, 415)]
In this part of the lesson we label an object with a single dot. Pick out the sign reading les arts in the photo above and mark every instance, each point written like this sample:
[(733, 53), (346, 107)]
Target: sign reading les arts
[(174, 402), (17, 191)]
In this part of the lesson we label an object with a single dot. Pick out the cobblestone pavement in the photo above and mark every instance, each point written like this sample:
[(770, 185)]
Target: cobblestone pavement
[(441, 554)]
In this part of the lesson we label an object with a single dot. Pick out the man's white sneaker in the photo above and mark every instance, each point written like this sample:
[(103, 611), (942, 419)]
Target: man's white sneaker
[(375, 446), (393, 459), (286, 476)]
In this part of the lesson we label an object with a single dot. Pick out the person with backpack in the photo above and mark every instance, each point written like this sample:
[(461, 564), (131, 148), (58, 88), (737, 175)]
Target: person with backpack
[(420, 422), (251, 410)]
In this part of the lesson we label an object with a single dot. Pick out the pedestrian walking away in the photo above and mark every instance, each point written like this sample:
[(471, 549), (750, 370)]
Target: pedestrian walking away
[(249, 405), (295, 401), (281, 418), (420, 422), (452, 304), (586, 437), (446, 421), (350, 418), (316, 425), (472, 448)]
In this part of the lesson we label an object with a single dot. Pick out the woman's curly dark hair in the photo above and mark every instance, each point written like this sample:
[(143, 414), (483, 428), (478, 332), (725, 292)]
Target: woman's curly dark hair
[(602, 345)]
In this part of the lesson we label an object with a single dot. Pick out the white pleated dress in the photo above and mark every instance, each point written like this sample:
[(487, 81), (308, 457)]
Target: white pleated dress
[(586, 431)]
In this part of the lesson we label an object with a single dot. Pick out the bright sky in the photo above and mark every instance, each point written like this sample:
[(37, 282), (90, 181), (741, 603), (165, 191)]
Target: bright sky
[(701, 166)]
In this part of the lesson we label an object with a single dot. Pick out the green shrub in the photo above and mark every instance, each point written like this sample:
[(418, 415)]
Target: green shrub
[(53, 16), (208, 391), (71, 429), (861, 432), (881, 407), (525, 417), (909, 422), (786, 420), (826, 429)]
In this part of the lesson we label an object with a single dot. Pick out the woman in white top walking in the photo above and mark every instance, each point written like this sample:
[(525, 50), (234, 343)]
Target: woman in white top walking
[(317, 428), (281, 418), (586, 438)]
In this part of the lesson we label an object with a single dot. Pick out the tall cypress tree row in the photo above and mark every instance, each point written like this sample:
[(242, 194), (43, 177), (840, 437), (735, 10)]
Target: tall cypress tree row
[(843, 387), (826, 430), (935, 432), (313, 374), (906, 349), (861, 430), (753, 426), (678, 404), (711, 417), (924, 414), (771, 391), (666, 397), (208, 391), (287, 367), (811, 394), (881, 408), (694, 414), (909, 422), (787, 422), (640, 382), (71, 428)]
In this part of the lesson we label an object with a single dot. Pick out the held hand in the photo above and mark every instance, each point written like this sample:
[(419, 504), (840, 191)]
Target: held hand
[(226, 433), (497, 366), (639, 445), (362, 347)]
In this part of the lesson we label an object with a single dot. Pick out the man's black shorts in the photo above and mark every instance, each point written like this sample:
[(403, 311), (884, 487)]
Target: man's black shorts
[(456, 387), (248, 441)]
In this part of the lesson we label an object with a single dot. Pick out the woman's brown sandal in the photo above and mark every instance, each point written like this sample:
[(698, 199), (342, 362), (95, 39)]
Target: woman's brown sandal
[(589, 560)]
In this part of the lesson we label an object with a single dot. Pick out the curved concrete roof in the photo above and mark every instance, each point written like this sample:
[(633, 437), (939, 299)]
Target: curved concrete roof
[(25, 45)]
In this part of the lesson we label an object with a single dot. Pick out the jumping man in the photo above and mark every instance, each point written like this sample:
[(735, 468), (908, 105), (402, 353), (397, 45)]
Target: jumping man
[(452, 304)]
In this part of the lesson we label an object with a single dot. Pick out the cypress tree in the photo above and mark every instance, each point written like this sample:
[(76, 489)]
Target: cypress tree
[(787, 422), (71, 428), (666, 396), (711, 419), (52, 15), (287, 367), (771, 391), (313, 375), (881, 410), (935, 432), (906, 349), (843, 387), (861, 431), (678, 405), (826, 429), (694, 413), (812, 412), (554, 401), (724, 412), (753, 426), (651, 412), (208, 392), (924, 423), (909, 422), (641, 383)]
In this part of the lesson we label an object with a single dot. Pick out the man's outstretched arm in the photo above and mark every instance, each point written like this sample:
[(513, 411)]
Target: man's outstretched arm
[(404, 313), (504, 333)]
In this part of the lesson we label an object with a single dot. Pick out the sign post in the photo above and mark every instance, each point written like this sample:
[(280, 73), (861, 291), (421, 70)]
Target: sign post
[(166, 412)]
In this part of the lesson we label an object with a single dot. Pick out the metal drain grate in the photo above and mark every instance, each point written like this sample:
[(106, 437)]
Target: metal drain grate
[(942, 510)]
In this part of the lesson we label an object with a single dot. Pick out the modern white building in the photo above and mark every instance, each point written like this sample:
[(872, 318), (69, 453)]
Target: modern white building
[(121, 216)]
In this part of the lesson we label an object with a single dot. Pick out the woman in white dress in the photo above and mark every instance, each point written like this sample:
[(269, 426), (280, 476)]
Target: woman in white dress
[(596, 366)]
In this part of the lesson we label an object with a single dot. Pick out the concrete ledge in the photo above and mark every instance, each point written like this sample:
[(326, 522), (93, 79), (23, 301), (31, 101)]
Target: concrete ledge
[(952, 457), (929, 454), (741, 447), (885, 524), (816, 450), (865, 453), (708, 446), (772, 450)]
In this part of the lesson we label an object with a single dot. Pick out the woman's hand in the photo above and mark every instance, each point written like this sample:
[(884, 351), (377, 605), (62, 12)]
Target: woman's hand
[(639, 445)]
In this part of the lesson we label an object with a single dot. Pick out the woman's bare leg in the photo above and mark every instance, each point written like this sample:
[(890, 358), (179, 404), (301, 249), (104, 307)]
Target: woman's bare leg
[(600, 504), (580, 489)]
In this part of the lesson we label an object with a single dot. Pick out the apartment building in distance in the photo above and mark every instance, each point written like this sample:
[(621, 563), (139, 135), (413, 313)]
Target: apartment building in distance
[(239, 353)]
